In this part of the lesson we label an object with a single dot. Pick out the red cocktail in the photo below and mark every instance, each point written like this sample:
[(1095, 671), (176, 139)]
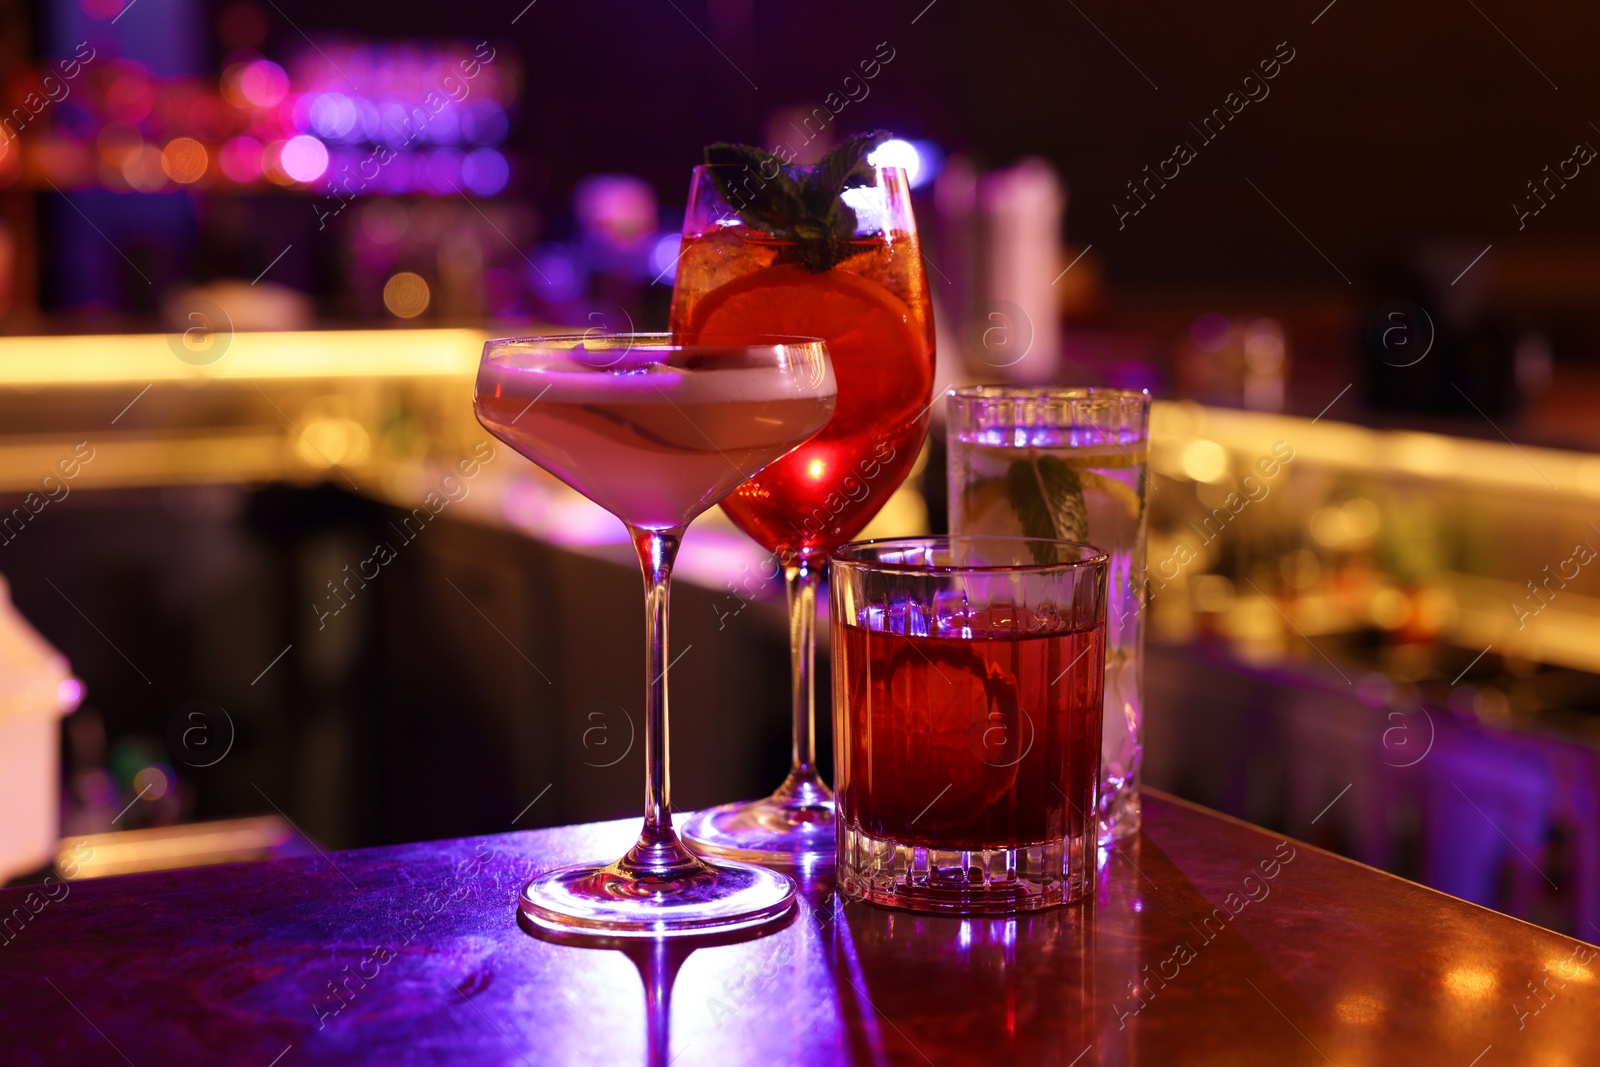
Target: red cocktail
[(826, 251)]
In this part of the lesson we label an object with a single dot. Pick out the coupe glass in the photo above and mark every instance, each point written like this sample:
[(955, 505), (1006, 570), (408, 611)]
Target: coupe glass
[(872, 308), (655, 432)]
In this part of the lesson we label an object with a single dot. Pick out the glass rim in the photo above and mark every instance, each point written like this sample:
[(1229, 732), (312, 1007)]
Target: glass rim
[(854, 554), (656, 341), (709, 167), (1002, 391)]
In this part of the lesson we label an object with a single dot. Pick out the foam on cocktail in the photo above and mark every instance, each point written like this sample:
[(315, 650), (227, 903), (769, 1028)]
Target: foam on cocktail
[(654, 444), (608, 379)]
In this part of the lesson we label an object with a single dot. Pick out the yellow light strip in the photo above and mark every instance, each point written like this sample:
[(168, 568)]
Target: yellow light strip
[(242, 458), (167, 848), (1543, 471), (1565, 633), (142, 358)]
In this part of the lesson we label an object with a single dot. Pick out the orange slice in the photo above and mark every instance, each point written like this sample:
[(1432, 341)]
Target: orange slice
[(877, 346)]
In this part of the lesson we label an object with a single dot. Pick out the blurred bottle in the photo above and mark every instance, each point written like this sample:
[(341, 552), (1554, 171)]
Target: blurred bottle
[(999, 245), (36, 689), (1234, 361)]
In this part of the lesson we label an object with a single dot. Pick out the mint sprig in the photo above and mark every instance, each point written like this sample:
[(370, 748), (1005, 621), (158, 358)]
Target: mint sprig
[(1047, 495), (803, 206)]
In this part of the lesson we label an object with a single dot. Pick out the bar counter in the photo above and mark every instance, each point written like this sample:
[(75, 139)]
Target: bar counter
[(1209, 942)]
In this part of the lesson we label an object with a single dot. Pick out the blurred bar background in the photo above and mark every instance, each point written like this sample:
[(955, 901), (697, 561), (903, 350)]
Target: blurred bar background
[(249, 255)]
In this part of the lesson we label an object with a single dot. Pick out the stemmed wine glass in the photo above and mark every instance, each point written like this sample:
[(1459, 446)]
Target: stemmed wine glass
[(828, 250), (655, 432)]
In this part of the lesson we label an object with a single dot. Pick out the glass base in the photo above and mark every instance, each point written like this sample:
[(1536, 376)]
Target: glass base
[(992, 881), (793, 826), (611, 901)]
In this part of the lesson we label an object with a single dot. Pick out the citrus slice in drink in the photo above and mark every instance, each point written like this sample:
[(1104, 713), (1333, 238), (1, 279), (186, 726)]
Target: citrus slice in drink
[(872, 335), (953, 729), (1117, 490)]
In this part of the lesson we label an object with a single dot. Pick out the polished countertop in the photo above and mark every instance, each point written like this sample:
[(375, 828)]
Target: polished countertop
[(1208, 942)]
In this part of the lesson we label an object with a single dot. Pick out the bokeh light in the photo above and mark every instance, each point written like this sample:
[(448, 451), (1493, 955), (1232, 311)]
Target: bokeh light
[(185, 160), (442, 127), (397, 175), (272, 164), (152, 782), (263, 83), (369, 119), (69, 694), (384, 221), (130, 97), (1263, 346), (664, 258), (442, 171), (553, 274), (205, 117), (1205, 461), (617, 207), (485, 171), (303, 158), (143, 169), (240, 159), (333, 116), (921, 160), (116, 142), (393, 124), (930, 161), (902, 154), (97, 789), (406, 295), (328, 440)]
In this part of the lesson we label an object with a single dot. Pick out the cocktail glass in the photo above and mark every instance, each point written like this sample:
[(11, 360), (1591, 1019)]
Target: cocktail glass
[(1069, 463), (966, 705), (870, 303), (655, 432)]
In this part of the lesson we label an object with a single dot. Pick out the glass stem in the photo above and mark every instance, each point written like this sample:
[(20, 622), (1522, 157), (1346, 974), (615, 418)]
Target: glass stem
[(658, 850), (803, 784)]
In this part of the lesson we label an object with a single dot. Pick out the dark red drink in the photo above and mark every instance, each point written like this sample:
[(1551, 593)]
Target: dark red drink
[(968, 743), (968, 683)]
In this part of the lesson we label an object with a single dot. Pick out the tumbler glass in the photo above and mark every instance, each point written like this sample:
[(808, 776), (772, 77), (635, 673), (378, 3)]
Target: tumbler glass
[(968, 676)]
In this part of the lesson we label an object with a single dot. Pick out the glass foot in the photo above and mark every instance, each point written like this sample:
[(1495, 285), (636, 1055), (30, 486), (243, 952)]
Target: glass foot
[(793, 826), (613, 901)]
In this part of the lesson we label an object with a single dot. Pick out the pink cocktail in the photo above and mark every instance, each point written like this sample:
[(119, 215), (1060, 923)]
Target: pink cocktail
[(653, 441), (655, 433)]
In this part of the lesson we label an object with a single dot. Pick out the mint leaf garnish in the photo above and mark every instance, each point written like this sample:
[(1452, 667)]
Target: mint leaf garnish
[(800, 205), (1047, 495)]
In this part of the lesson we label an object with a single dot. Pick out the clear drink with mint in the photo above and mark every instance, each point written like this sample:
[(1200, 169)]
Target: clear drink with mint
[(1069, 463)]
